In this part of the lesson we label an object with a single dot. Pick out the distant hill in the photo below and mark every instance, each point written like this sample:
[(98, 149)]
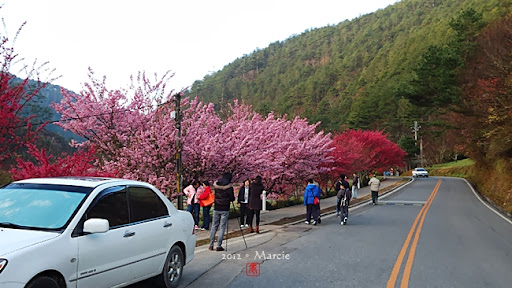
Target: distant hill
[(41, 107), (351, 75)]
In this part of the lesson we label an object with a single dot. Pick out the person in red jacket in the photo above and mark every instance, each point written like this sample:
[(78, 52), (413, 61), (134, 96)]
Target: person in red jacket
[(206, 207)]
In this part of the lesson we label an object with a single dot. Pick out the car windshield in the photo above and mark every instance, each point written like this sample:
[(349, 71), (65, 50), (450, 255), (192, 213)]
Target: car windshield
[(420, 169), (39, 206)]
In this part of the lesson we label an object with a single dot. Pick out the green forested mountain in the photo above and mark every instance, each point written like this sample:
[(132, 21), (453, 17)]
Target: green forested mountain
[(361, 73), (54, 139)]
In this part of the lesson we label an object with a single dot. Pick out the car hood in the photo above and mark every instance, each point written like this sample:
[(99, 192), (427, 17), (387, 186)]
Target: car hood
[(12, 240)]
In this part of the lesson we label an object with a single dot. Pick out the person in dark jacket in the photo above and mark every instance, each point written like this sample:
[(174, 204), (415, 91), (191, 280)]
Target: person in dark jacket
[(255, 203), (224, 195), (341, 185), (243, 201), (310, 193), (344, 195)]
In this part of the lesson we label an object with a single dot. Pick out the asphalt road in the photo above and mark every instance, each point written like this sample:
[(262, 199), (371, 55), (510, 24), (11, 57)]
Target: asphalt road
[(432, 233)]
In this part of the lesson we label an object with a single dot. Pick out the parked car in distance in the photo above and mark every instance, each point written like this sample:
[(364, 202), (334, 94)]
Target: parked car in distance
[(419, 172), (91, 232)]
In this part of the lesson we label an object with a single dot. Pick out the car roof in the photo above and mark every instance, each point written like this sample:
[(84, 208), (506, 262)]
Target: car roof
[(77, 181)]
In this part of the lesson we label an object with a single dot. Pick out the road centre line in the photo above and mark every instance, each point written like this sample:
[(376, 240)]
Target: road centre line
[(401, 255), (412, 252)]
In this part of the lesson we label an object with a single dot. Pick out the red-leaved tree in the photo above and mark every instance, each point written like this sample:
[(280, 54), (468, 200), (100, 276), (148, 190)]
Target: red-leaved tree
[(16, 130), (364, 151), (80, 163)]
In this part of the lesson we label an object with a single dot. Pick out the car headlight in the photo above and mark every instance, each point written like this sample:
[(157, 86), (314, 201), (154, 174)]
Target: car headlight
[(3, 263)]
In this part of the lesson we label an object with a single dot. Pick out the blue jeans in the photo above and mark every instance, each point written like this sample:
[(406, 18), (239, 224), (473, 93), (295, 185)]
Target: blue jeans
[(194, 209), (219, 218), (206, 217), (338, 203), (354, 191)]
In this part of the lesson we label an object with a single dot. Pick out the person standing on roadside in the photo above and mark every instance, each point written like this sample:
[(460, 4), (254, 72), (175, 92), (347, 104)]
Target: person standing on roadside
[(355, 183), (310, 193), (224, 195), (243, 200), (374, 184), (193, 201), (255, 204), (206, 208)]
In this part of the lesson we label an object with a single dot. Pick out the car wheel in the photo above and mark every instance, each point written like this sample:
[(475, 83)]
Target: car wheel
[(43, 282), (173, 269)]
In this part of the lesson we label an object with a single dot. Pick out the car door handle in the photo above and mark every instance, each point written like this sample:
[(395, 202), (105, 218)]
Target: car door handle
[(128, 234), (167, 224)]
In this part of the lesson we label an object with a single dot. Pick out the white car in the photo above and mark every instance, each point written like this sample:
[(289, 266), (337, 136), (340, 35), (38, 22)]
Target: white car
[(91, 232), (419, 172)]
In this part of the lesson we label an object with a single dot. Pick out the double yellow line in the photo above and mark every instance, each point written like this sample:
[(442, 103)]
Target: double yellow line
[(408, 265)]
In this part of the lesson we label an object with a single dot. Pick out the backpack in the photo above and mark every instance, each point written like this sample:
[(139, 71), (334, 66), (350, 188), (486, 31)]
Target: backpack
[(343, 191)]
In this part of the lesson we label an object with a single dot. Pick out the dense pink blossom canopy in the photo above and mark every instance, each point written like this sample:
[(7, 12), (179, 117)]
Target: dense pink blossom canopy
[(135, 136)]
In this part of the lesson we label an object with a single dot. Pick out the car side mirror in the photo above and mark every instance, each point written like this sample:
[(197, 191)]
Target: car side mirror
[(96, 225)]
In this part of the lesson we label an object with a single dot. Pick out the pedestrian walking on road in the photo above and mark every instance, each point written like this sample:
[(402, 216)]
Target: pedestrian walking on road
[(316, 207), (243, 200), (355, 183), (344, 195), (193, 201), (255, 204), (224, 195), (340, 187), (203, 201), (310, 193), (374, 184)]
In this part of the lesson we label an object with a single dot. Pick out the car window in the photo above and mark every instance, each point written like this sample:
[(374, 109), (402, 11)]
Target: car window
[(113, 207), (146, 204), (39, 206)]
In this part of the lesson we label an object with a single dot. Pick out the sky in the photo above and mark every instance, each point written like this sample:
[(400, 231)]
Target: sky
[(192, 38)]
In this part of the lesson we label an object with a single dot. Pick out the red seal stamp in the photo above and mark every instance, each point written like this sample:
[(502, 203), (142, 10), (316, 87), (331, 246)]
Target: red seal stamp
[(252, 269)]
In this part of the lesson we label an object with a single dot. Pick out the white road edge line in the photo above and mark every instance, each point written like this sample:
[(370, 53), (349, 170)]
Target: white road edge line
[(487, 205)]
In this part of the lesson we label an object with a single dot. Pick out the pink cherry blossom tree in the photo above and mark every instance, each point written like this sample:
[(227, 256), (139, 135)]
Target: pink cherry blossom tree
[(136, 137)]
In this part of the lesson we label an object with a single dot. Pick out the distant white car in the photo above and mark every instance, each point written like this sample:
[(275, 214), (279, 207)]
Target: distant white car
[(419, 172), (91, 232)]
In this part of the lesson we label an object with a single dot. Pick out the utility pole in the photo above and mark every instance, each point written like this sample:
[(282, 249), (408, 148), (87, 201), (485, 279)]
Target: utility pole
[(415, 129), (179, 171), (421, 153)]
